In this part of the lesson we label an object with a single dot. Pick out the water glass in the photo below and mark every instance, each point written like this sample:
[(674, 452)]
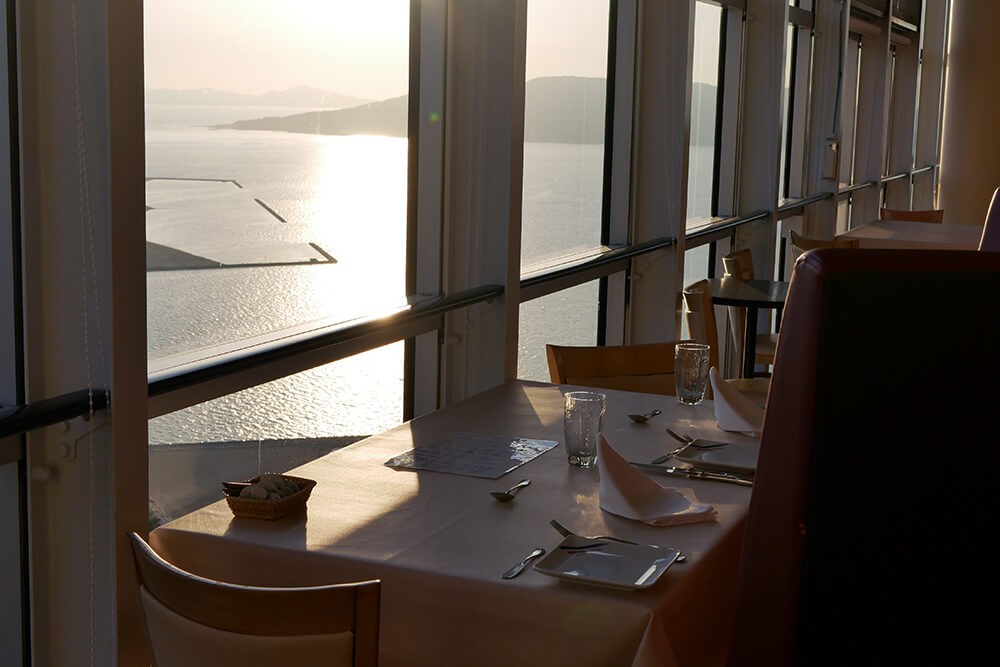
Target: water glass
[(583, 420), (691, 372)]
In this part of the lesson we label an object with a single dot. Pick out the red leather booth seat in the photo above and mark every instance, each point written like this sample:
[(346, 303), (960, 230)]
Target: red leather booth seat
[(876, 496)]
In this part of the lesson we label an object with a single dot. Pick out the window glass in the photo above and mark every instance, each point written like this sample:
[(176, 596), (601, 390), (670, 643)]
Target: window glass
[(704, 104), (564, 105), (890, 138), (276, 156), (786, 110), (563, 180), (570, 318), (849, 109)]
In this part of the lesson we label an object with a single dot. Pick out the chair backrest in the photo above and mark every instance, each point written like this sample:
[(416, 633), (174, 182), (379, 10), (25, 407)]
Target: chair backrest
[(919, 215), (856, 543), (990, 240), (807, 243), (699, 313), (647, 367), (738, 264), (192, 621)]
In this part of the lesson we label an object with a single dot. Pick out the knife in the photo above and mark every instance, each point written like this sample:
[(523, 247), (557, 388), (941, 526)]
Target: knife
[(517, 569), (694, 473)]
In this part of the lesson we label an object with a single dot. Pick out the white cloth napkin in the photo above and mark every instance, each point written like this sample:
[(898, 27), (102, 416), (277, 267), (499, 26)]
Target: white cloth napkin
[(627, 492), (733, 410)]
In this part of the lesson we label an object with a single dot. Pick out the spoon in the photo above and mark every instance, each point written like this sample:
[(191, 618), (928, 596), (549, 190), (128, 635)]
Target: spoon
[(639, 419), (504, 496)]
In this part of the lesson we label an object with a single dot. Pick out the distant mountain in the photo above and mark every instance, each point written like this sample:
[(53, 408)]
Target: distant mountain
[(386, 118), (559, 109), (301, 96)]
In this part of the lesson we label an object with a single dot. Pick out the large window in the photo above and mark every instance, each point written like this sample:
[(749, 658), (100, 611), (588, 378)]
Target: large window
[(704, 112), (705, 141), (563, 179), (276, 192)]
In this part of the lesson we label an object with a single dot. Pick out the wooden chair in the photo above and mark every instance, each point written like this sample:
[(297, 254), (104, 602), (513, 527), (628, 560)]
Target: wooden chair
[(647, 367), (739, 264), (192, 621), (855, 541), (807, 243), (990, 240), (920, 215), (699, 313)]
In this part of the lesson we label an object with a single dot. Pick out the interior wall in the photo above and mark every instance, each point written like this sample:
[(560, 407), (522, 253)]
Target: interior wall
[(970, 152)]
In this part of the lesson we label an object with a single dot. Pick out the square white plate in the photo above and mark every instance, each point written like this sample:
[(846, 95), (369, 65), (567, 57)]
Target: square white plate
[(611, 564), (738, 457)]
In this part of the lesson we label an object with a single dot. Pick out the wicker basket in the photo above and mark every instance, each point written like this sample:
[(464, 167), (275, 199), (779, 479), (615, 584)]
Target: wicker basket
[(250, 508)]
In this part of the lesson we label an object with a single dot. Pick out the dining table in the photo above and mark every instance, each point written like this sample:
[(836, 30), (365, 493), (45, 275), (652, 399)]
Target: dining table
[(752, 295), (903, 234), (439, 542)]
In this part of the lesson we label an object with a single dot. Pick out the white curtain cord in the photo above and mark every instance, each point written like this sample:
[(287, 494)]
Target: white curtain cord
[(88, 270)]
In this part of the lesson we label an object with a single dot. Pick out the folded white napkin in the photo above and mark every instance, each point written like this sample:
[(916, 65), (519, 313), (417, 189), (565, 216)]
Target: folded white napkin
[(627, 492), (733, 410)]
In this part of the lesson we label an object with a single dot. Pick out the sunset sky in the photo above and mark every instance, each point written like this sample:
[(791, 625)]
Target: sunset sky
[(349, 46)]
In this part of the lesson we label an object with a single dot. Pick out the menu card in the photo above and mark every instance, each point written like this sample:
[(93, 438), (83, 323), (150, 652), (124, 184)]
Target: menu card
[(472, 454)]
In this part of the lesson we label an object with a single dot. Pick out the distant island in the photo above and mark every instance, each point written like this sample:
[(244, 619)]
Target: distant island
[(558, 109), (300, 96)]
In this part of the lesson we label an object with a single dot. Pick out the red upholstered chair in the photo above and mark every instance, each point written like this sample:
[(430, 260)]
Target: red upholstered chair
[(875, 498), (991, 228)]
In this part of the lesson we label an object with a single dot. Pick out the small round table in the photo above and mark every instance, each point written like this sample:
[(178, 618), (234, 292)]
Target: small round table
[(752, 295)]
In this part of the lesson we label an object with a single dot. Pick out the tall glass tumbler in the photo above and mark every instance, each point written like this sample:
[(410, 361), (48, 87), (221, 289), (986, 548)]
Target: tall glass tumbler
[(691, 372), (583, 420)]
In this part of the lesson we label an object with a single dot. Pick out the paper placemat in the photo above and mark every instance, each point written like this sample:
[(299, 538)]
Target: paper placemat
[(472, 454)]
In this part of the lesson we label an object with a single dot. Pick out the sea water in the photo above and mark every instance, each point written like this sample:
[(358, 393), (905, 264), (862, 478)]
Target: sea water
[(348, 195)]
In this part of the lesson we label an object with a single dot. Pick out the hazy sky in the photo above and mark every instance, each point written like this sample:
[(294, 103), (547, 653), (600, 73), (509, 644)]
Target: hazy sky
[(356, 47)]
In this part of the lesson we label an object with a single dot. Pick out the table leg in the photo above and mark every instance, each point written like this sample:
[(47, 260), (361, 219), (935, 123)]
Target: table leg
[(750, 344)]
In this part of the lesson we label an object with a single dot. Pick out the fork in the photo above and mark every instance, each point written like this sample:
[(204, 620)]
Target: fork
[(684, 439), (688, 442), (566, 532)]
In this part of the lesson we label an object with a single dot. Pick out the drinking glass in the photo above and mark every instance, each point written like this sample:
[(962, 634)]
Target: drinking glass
[(583, 420), (691, 372)]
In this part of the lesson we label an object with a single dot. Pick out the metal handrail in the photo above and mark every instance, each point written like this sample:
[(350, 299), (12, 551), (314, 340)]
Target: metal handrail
[(19, 419), (612, 256), (894, 177), (222, 365), (850, 189), (721, 229)]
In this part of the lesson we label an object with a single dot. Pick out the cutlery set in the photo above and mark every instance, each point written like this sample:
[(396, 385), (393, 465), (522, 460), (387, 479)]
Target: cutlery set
[(696, 473), (588, 544), (598, 541)]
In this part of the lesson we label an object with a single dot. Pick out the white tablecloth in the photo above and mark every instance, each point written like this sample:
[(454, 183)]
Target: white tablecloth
[(908, 234), (439, 542)]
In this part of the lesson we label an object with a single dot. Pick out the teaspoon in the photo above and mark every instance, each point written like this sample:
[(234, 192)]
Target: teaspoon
[(639, 419), (504, 496)]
